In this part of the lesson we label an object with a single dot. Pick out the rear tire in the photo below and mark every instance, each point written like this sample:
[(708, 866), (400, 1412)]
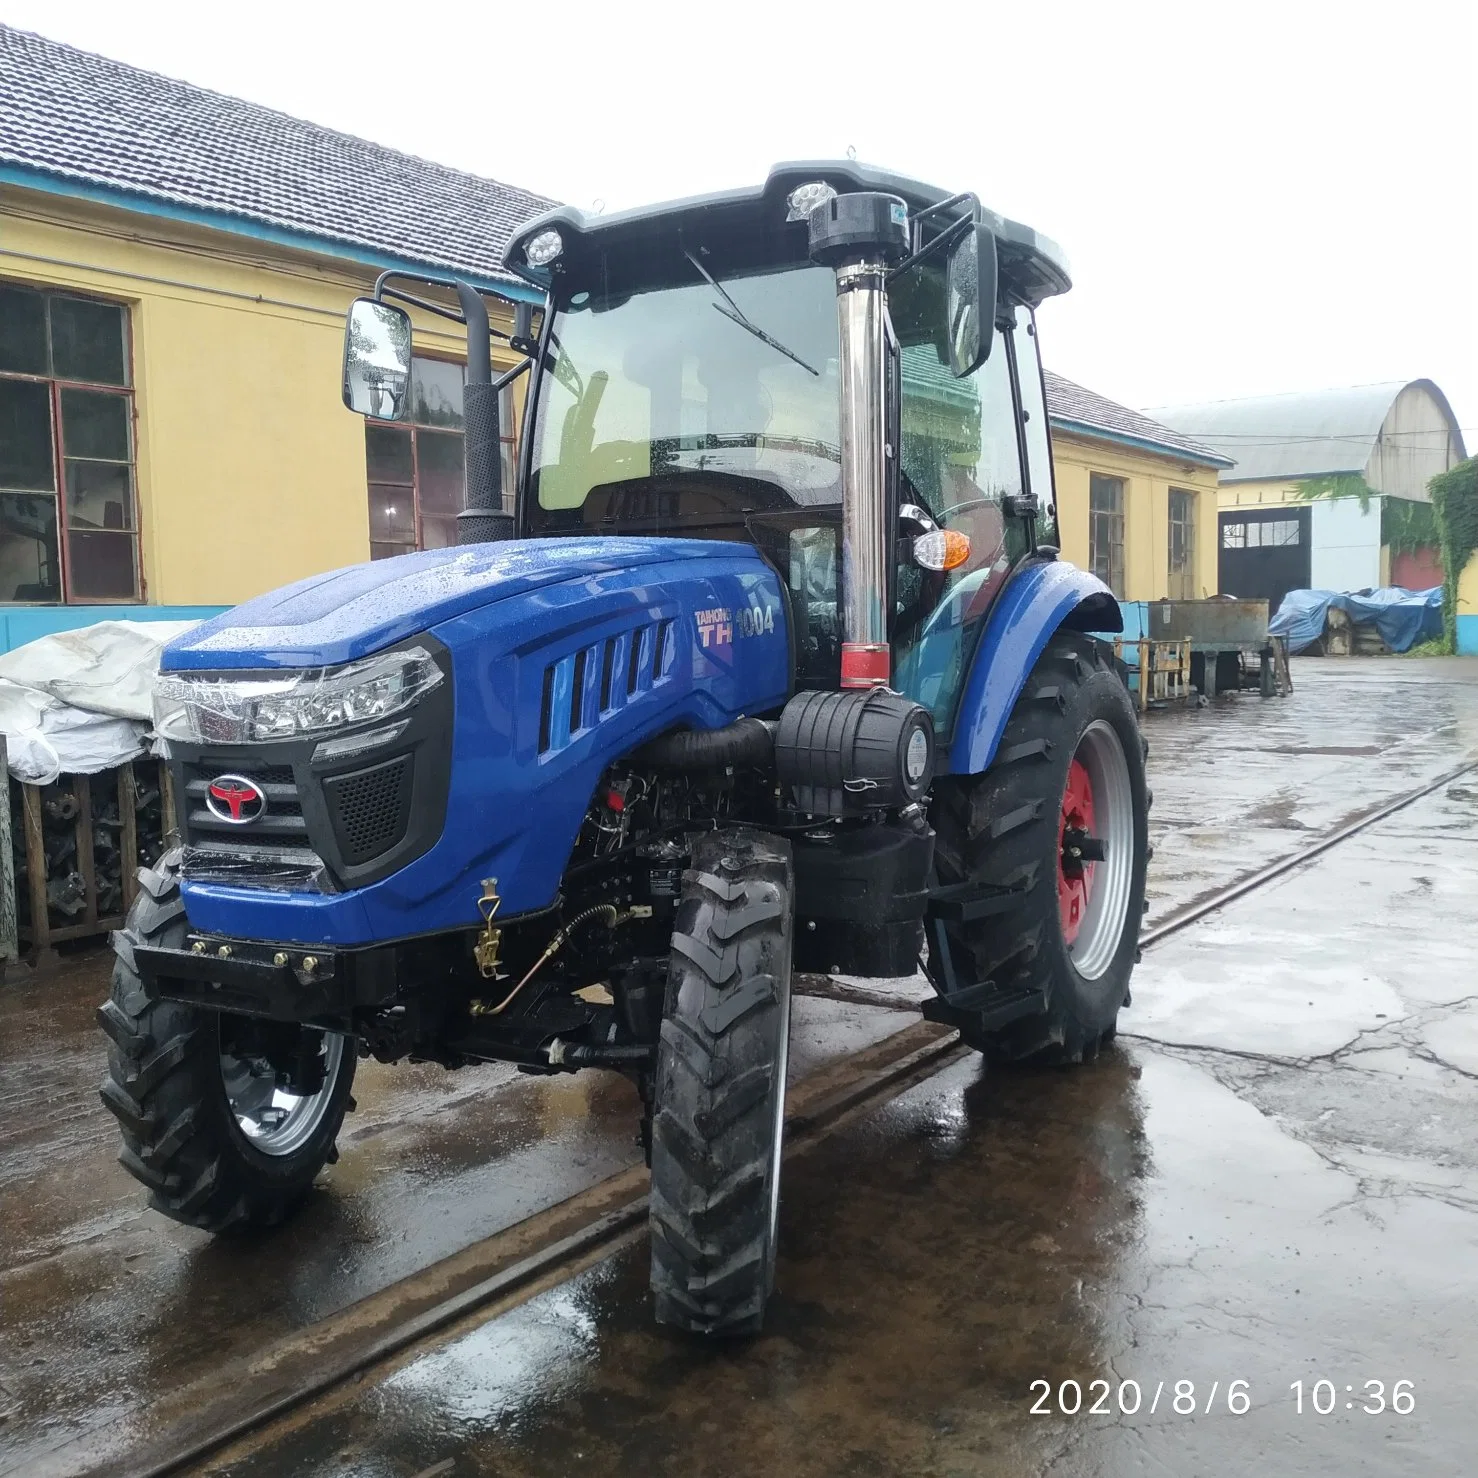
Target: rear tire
[(1071, 749), (184, 1136), (720, 1098)]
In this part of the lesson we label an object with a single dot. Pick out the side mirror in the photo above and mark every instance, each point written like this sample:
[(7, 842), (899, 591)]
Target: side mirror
[(971, 300), (377, 359)]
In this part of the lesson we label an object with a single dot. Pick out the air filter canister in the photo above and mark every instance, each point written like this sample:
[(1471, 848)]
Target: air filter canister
[(841, 754)]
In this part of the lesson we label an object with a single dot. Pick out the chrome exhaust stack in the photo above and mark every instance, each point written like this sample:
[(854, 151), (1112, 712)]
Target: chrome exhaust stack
[(860, 236)]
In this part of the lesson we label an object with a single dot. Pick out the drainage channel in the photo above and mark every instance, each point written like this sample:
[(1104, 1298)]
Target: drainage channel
[(485, 1280)]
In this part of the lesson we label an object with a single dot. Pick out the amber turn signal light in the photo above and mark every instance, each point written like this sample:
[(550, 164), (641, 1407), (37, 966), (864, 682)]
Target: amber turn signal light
[(941, 549)]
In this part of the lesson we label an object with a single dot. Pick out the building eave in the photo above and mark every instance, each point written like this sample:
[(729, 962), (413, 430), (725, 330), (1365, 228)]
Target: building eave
[(141, 202), (1139, 443)]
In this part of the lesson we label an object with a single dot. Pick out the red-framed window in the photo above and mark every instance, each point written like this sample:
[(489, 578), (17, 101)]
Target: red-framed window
[(417, 481), (68, 502)]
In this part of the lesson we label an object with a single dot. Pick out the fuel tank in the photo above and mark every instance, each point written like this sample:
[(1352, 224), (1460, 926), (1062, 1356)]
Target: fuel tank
[(558, 657)]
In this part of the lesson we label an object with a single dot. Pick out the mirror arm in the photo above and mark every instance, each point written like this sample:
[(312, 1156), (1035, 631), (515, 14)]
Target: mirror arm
[(509, 376), (947, 237)]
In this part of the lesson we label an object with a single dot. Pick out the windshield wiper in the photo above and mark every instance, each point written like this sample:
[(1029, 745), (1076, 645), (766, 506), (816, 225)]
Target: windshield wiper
[(736, 314)]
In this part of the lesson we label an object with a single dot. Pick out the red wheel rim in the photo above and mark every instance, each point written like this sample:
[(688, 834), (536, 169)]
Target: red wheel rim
[(1074, 878)]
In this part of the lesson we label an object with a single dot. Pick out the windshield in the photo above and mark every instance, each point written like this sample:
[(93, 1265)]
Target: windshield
[(691, 404)]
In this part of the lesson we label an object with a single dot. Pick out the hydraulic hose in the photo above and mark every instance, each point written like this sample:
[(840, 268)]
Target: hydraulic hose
[(748, 741)]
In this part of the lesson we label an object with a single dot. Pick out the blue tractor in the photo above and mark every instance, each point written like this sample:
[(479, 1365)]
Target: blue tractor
[(768, 663)]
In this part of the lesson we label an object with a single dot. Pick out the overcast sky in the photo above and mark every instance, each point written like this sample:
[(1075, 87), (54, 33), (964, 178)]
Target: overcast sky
[(1254, 196)]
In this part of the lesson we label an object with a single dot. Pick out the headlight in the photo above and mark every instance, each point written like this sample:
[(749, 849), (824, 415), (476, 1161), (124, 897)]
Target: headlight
[(207, 710)]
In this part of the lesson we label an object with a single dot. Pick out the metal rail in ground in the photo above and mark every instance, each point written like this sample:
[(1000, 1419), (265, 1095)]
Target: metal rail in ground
[(554, 1245)]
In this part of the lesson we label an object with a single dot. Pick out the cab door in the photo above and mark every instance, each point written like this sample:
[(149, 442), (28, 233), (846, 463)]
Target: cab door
[(968, 458)]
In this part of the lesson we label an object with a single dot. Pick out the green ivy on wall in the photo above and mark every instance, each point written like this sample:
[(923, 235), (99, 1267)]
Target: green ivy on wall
[(1404, 525), (1455, 502), (1337, 485), (1408, 526)]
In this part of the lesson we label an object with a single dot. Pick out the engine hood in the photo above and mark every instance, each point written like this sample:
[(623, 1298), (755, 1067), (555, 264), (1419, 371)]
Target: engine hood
[(353, 612)]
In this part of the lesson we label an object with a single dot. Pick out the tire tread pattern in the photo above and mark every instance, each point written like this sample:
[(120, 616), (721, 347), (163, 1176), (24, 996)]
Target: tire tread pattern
[(720, 1059), (164, 1088)]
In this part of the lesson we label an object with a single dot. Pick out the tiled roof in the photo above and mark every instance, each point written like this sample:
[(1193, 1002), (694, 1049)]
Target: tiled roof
[(1076, 409), (77, 116)]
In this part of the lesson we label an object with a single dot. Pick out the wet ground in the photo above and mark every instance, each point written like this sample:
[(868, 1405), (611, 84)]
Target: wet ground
[(1271, 1179)]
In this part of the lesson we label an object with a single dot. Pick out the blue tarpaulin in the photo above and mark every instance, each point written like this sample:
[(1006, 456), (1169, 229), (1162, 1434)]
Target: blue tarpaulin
[(1403, 617)]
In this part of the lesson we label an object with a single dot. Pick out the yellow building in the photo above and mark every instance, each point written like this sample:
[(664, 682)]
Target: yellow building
[(175, 268), (1136, 501)]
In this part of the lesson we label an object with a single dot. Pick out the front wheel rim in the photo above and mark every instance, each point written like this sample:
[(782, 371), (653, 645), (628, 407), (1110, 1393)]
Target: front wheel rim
[(1093, 896), (275, 1121)]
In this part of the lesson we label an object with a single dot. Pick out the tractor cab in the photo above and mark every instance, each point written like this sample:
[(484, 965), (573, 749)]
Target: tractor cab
[(692, 383), (694, 376)]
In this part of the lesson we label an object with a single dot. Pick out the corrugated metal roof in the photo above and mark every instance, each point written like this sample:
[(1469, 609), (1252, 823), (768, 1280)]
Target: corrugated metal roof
[(1306, 434), (1072, 408), (69, 113)]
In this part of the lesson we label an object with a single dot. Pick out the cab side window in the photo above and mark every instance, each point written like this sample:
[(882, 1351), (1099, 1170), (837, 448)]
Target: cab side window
[(960, 460)]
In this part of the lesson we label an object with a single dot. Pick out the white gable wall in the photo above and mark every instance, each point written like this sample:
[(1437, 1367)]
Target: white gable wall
[(1346, 544)]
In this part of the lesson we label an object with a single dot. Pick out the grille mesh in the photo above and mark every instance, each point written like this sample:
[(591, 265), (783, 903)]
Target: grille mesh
[(370, 808)]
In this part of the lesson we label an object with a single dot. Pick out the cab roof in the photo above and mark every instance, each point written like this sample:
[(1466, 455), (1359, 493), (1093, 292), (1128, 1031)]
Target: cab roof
[(1032, 266)]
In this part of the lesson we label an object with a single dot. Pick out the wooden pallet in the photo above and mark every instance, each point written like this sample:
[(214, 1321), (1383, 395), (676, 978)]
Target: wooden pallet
[(39, 935)]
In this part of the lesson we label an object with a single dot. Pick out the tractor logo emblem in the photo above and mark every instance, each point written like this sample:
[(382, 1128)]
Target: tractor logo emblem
[(716, 627), (235, 799)]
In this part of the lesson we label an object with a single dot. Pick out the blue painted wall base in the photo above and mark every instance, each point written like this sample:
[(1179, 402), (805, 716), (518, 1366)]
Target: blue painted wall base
[(1467, 635), (20, 624)]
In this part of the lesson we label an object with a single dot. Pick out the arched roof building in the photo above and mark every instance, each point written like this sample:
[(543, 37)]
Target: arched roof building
[(1396, 435), (1275, 533)]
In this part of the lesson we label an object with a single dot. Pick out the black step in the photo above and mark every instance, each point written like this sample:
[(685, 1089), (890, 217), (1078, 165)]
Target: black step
[(987, 1006), (962, 903)]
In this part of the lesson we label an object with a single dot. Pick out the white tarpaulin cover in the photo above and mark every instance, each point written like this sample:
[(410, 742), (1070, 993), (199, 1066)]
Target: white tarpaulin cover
[(77, 702)]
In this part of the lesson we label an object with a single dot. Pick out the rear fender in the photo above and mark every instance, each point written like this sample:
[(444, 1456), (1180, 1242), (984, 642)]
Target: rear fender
[(1042, 597)]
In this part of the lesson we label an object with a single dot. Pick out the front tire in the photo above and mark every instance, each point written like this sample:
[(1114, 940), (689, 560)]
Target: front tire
[(1067, 783), (216, 1138), (720, 1099)]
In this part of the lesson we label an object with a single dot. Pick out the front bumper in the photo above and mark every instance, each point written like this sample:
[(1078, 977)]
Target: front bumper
[(269, 980)]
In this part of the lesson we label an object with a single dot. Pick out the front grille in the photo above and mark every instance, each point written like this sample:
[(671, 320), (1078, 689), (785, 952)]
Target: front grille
[(281, 822), (370, 808), (270, 851)]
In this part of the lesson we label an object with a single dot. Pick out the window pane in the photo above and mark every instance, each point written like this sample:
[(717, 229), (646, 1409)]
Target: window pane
[(99, 495), (1038, 447), (94, 425), (438, 533), (22, 331), (29, 568), (439, 469), (388, 452), (25, 436), (436, 393), (100, 566), (87, 341), (1105, 494), (508, 451), (392, 515)]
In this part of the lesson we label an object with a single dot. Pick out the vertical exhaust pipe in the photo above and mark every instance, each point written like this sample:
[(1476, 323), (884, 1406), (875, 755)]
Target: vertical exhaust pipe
[(860, 236)]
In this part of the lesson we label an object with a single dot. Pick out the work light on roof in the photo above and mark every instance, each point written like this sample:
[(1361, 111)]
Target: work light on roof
[(544, 248), (805, 198)]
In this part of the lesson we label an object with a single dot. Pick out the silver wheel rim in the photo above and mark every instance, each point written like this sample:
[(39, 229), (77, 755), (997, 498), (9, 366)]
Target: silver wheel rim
[(778, 1130), (275, 1121), (1101, 753)]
